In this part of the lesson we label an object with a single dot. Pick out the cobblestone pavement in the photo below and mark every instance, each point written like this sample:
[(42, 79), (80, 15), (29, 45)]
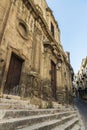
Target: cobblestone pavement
[(82, 107)]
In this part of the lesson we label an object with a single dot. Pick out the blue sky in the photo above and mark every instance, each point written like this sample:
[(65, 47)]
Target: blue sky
[(71, 16)]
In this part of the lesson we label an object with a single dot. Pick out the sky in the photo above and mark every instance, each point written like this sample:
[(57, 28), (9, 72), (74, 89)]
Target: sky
[(71, 16)]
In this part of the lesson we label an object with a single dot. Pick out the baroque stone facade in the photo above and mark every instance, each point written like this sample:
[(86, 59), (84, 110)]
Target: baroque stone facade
[(32, 59)]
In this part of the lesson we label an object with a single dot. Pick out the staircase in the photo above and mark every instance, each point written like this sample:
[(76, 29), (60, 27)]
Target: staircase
[(22, 118)]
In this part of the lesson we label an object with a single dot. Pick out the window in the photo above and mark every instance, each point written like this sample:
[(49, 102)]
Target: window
[(52, 29), (22, 29)]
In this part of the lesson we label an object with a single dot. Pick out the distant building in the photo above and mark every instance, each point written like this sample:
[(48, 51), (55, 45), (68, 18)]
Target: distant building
[(32, 60), (80, 81)]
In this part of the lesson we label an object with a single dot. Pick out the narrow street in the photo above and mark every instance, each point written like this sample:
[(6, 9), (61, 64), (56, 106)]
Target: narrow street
[(82, 107)]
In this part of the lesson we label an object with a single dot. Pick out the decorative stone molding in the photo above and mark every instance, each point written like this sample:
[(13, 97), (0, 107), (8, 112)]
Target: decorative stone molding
[(44, 26), (49, 10), (47, 44), (39, 9), (47, 90), (33, 73)]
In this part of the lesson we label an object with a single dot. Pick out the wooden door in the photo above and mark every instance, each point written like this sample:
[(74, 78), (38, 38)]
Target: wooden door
[(53, 78), (14, 73)]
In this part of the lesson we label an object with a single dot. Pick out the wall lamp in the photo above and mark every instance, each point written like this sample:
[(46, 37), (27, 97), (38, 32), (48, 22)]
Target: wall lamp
[(59, 64)]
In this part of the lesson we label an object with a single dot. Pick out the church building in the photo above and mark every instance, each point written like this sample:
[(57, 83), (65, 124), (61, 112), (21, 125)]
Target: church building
[(32, 60)]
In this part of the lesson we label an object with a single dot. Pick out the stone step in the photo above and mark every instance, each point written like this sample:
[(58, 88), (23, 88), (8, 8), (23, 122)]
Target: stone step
[(24, 112), (11, 124), (6, 114), (69, 125), (48, 125), (13, 104), (76, 127)]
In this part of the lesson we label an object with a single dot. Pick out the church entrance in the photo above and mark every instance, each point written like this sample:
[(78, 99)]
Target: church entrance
[(53, 78), (13, 75)]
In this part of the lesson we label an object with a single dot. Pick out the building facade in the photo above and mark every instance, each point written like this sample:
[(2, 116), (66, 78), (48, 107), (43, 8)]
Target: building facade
[(32, 59), (80, 80)]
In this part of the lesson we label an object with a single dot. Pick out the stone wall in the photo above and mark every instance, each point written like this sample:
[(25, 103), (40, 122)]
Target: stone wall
[(27, 34)]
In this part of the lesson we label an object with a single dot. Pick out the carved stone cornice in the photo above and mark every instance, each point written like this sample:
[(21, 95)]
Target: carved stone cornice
[(47, 45), (48, 9), (39, 17)]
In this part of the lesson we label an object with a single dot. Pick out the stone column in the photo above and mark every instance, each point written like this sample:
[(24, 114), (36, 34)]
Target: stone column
[(58, 82), (36, 50), (61, 89), (2, 67), (47, 90)]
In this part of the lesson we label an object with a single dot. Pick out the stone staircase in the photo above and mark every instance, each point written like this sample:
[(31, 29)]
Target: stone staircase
[(18, 116)]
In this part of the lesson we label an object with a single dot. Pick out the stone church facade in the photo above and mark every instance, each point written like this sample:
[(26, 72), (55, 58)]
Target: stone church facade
[(32, 59)]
